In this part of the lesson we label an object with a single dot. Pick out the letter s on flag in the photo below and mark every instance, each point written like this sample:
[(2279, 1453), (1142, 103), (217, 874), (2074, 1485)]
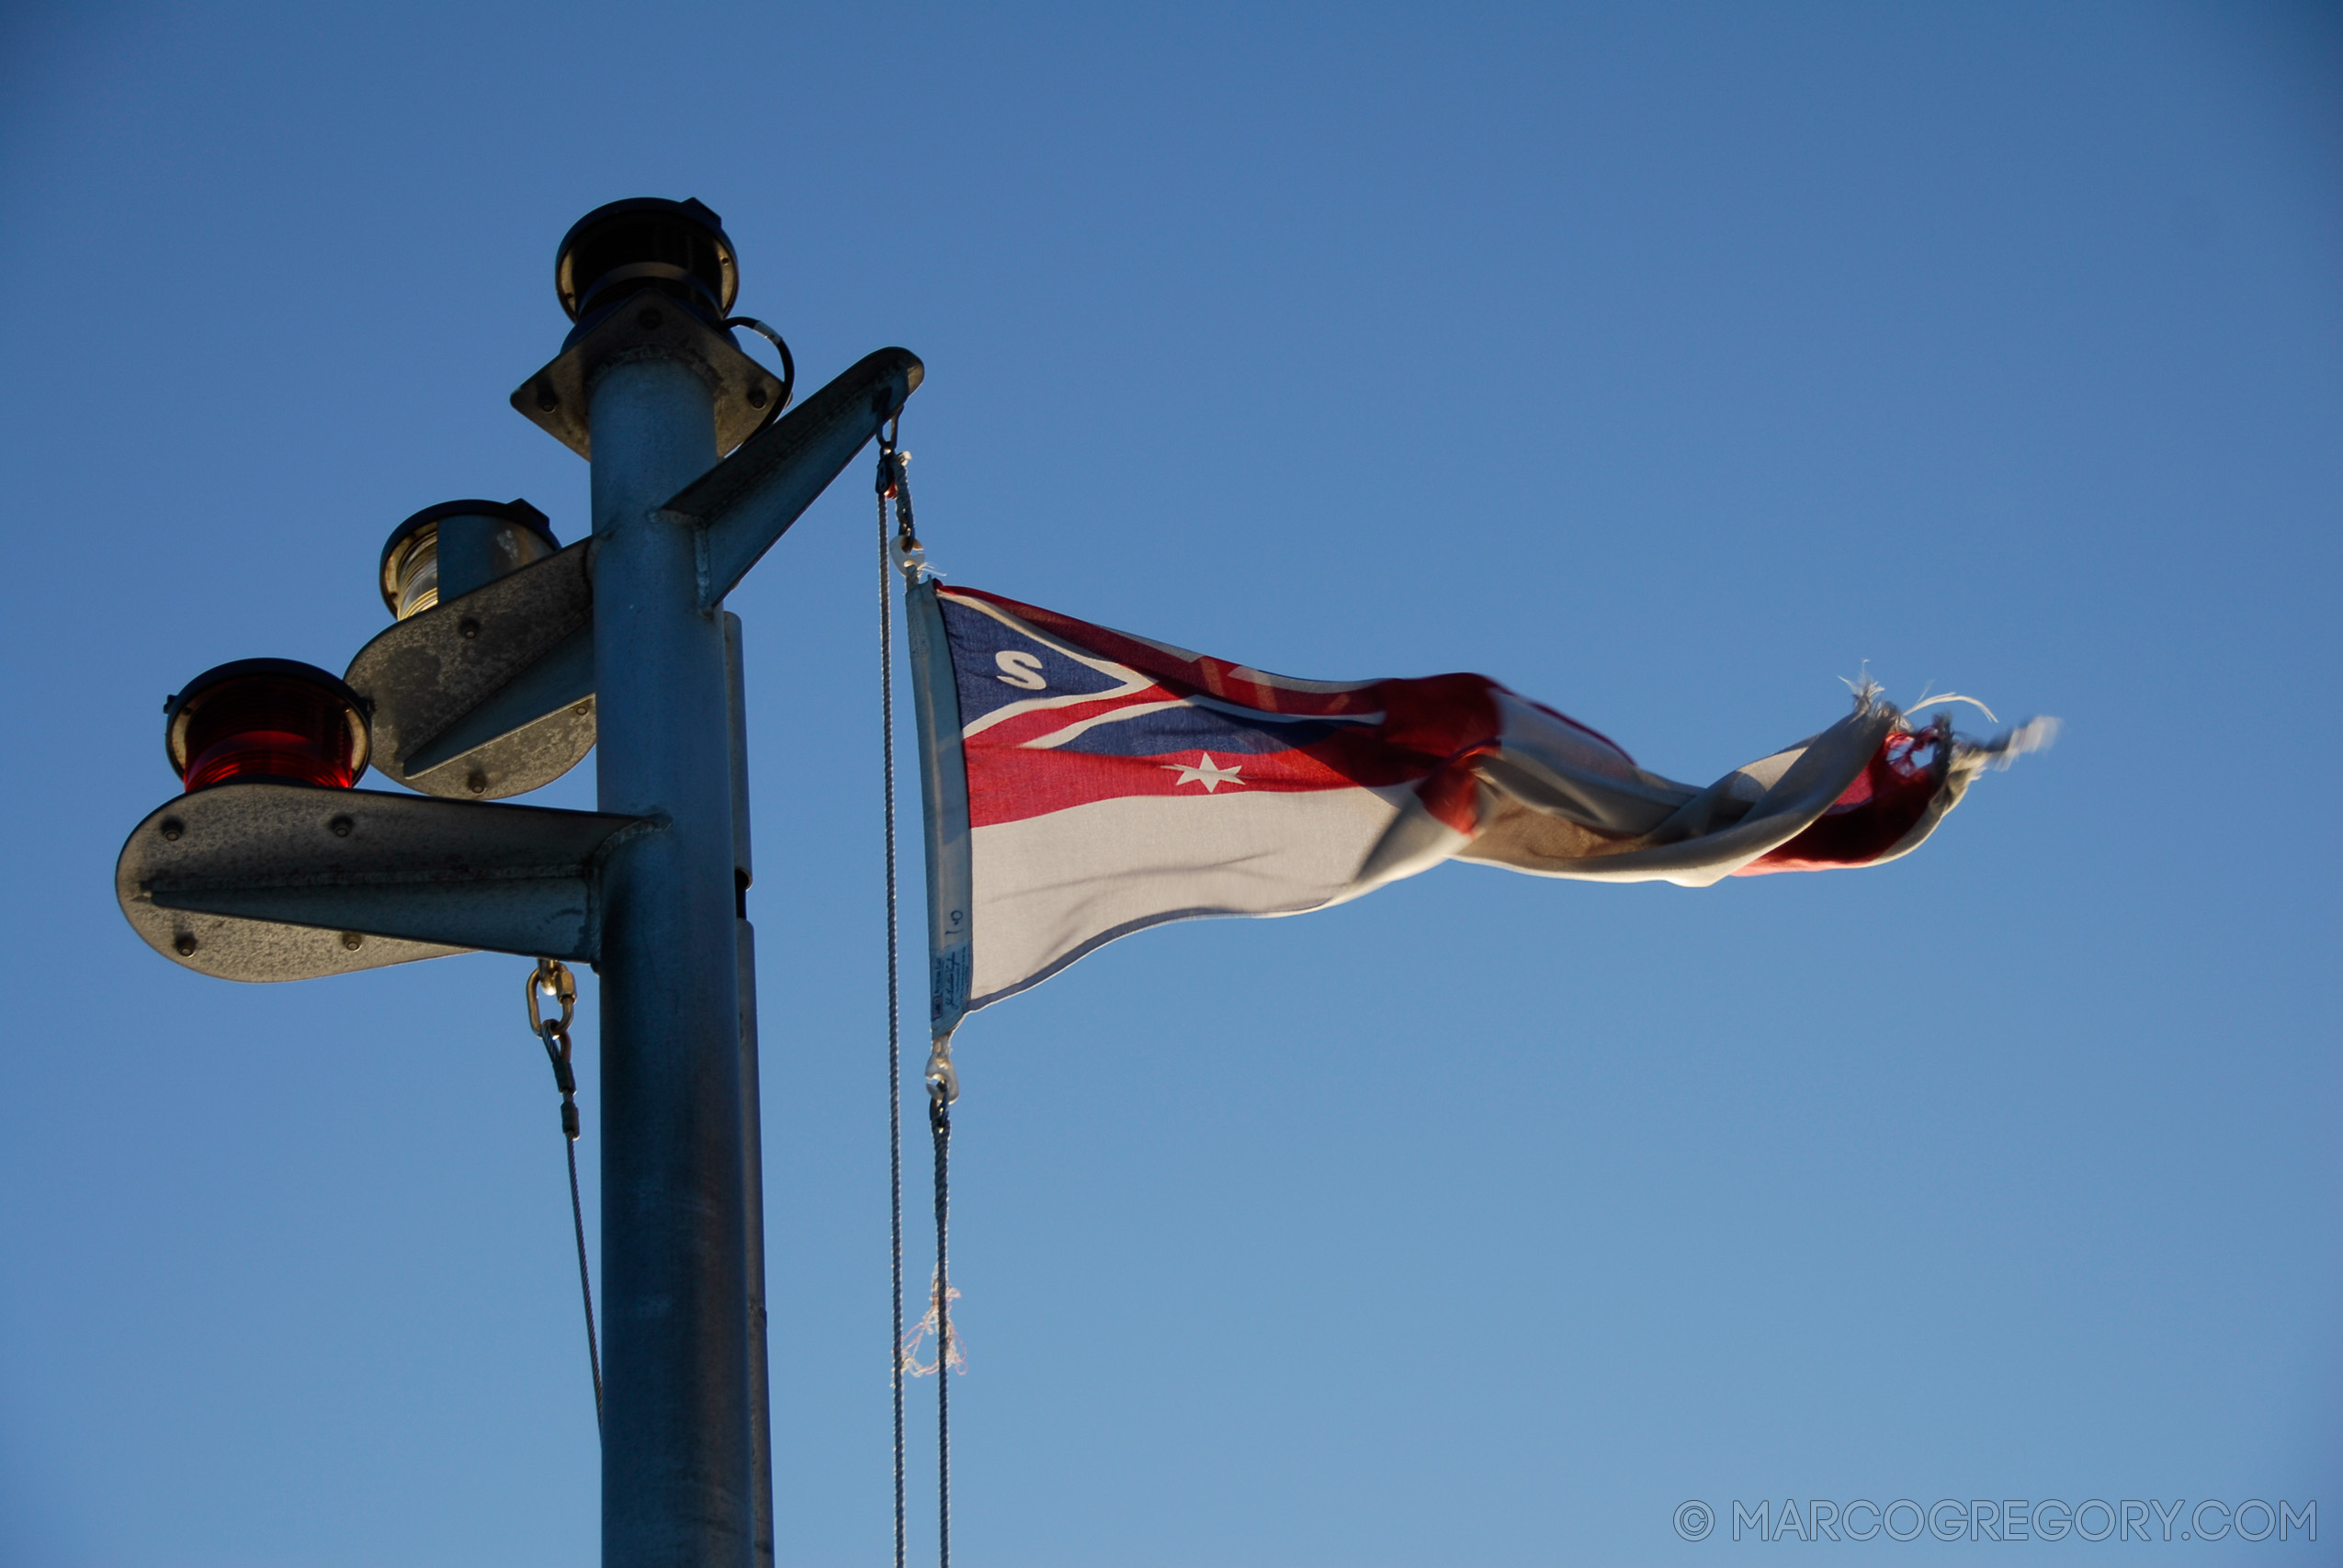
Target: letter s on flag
[(1021, 671)]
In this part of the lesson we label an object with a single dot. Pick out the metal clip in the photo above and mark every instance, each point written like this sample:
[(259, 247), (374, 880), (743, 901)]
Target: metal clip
[(551, 979), (887, 472), (942, 1081), (900, 493)]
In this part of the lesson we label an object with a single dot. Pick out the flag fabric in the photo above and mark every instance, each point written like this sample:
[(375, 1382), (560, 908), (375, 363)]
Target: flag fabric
[(1083, 784)]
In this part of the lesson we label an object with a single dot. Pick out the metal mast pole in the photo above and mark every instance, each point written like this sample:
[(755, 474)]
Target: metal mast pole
[(752, 1116), (676, 1458), (502, 686)]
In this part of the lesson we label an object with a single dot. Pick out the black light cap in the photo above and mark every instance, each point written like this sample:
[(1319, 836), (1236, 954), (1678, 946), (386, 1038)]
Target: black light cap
[(678, 248)]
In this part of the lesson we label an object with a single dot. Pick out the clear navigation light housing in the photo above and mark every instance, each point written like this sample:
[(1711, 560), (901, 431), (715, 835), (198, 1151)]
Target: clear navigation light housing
[(409, 575)]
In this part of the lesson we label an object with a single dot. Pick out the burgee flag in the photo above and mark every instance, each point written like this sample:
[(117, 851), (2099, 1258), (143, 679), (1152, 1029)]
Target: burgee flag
[(1081, 783)]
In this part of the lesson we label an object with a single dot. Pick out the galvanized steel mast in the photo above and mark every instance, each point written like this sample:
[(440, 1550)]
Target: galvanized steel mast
[(273, 867), (675, 1478)]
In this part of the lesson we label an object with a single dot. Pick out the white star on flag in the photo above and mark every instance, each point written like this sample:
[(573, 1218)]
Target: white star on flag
[(1206, 773)]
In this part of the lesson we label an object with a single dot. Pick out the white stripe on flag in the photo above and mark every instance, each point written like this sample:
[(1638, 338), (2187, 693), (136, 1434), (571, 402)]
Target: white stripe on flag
[(1050, 888)]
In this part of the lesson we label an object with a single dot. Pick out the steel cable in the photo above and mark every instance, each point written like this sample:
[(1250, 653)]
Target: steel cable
[(894, 992), (552, 981), (939, 1121), (585, 1283)]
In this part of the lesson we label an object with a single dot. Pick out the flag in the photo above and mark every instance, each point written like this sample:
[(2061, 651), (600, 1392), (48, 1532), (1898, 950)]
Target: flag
[(1083, 784)]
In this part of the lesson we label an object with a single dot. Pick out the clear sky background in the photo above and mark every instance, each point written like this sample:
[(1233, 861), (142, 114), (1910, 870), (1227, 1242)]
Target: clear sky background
[(1665, 363)]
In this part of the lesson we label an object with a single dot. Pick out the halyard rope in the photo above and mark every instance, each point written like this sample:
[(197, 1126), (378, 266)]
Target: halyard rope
[(886, 482), (894, 483), (939, 1121)]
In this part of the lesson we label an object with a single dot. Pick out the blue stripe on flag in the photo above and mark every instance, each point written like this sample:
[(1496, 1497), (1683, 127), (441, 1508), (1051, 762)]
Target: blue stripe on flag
[(1192, 728)]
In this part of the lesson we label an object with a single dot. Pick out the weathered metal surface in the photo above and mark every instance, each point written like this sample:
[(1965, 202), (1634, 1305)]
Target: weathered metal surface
[(526, 733), (749, 499), (490, 695), (649, 326), (264, 881)]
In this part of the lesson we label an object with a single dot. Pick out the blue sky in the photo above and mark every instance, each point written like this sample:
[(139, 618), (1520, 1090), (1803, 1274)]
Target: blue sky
[(1667, 364)]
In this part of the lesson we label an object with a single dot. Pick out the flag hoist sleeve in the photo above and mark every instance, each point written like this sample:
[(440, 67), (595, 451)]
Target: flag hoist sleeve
[(943, 795), (1081, 783)]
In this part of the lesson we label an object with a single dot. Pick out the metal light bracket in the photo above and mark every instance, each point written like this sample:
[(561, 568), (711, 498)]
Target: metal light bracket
[(283, 882), (649, 326), (490, 695), (749, 499)]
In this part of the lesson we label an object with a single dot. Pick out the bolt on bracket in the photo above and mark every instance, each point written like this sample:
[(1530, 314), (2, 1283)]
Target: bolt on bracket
[(490, 695), (650, 325)]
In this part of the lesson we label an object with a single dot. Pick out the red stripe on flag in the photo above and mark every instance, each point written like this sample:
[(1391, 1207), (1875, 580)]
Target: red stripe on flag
[(1872, 815), (1433, 730), (1012, 786)]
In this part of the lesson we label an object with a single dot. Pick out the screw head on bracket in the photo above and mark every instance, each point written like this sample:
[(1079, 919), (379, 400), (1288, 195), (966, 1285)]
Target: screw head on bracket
[(677, 248)]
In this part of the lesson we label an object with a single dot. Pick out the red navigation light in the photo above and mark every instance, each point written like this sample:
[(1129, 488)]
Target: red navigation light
[(267, 718)]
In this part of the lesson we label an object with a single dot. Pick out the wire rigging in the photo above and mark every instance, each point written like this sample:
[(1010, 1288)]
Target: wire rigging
[(889, 470), (943, 1087), (788, 369), (552, 982), (939, 1121)]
